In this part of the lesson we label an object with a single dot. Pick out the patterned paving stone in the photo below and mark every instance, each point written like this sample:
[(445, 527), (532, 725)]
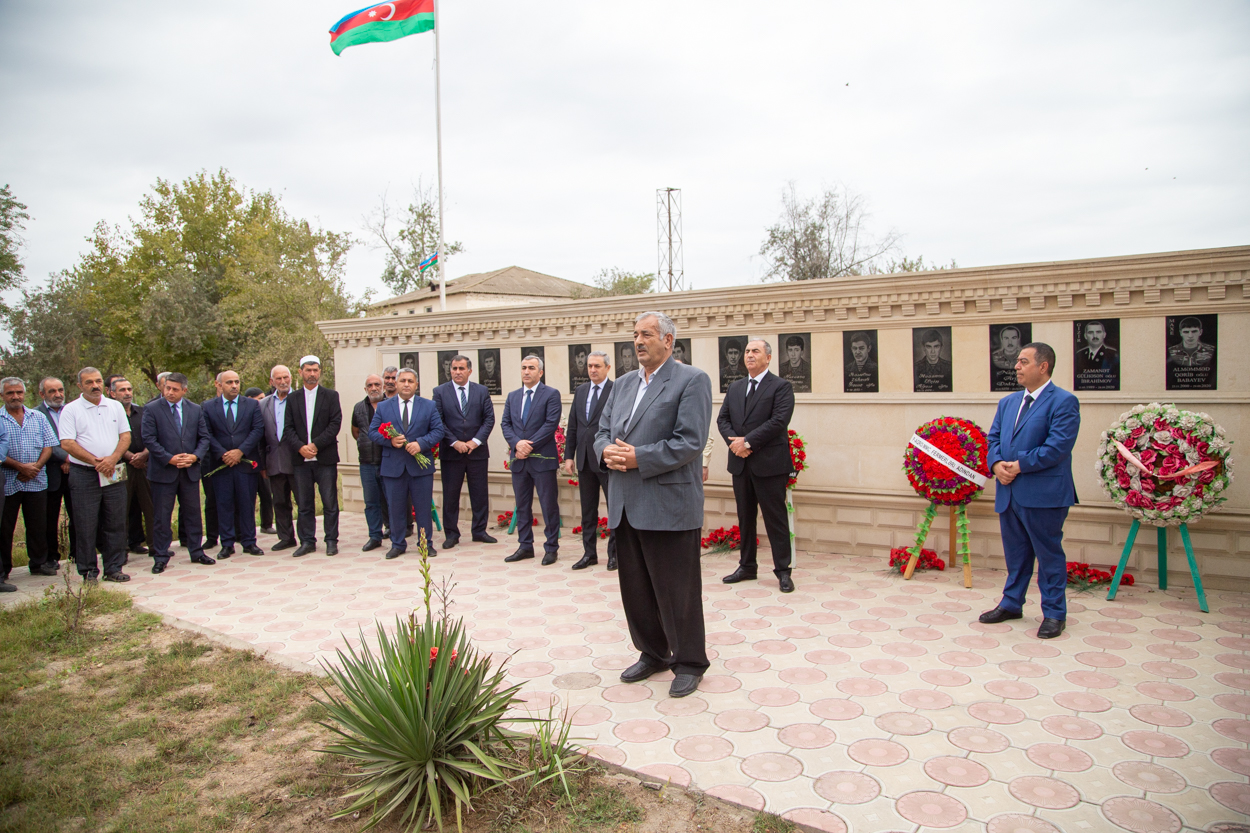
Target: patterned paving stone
[(1140, 815), (1046, 793), (931, 809), (845, 787)]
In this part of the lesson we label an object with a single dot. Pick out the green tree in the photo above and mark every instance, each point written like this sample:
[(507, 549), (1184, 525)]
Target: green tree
[(906, 264), (616, 281), (409, 236), (13, 218), (823, 237)]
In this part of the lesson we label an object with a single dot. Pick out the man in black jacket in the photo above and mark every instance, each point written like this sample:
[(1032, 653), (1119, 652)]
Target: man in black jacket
[(579, 456), (753, 420), (313, 419), (370, 456), (469, 416), (52, 394)]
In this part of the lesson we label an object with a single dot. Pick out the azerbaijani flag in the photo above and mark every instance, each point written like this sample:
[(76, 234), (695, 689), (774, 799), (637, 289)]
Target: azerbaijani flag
[(428, 262), (382, 22)]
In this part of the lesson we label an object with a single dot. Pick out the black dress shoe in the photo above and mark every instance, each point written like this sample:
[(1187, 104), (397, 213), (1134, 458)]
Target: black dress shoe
[(519, 555), (549, 558), (586, 561), (253, 550), (203, 559), (684, 684), (158, 568), (611, 562), (209, 543), (118, 577), (485, 539), (787, 584), (139, 549), (303, 549), (43, 570), (1051, 628), (450, 542), (639, 671), (225, 553), (332, 548), (269, 530), (282, 545), (371, 544), (5, 587), (394, 552), (740, 574), (998, 614)]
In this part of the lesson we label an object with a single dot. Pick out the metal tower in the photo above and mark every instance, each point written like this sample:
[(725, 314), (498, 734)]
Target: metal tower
[(671, 275)]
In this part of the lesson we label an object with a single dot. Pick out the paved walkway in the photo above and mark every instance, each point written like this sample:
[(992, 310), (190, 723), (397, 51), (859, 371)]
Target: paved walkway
[(860, 702)]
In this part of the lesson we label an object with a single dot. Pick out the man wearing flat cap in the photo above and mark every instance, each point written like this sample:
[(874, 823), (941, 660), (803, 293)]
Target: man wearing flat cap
[(313, 419)]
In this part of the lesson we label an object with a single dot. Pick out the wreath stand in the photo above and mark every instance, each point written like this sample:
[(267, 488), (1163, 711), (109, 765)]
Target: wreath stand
[(959, 540), (559, 524), (1163, 562)]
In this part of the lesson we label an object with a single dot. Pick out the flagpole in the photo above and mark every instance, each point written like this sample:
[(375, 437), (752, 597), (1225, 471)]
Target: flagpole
[(438, 122)]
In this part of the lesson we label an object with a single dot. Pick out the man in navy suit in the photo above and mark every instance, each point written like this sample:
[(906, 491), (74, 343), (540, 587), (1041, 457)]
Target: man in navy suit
[(1030, 453), (531, 415), (469, 417), (176, 436), (579, 456), (235, 432), (407, 481)]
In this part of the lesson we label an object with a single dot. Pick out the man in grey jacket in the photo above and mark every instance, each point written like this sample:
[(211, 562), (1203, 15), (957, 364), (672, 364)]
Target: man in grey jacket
[(651, 435), (279, 467)]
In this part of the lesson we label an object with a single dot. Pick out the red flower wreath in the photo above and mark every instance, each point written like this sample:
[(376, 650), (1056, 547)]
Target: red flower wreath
[(798, 457), (963, 440)]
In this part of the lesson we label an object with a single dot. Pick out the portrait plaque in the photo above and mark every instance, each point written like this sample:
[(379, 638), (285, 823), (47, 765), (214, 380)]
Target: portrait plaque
[(1096, 344), (732, 368), (859, 372), (412, 362), (541, 353), (795, 362), (931, 360), (1192, 342), (681, 350), (488, 371), (577, 366), (1005, 343), (626, 361), (444, 365)]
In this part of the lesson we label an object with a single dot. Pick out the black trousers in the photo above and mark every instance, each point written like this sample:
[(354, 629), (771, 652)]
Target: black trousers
[(280, 487), (453, 474), (139, 513), (98, 512), (266, 502), (235, 489), (589, 484), (662, 592), (52, 515), (34, 512), (325, 478), (768, 495), (209, 502), (190, 528), (524, 484)]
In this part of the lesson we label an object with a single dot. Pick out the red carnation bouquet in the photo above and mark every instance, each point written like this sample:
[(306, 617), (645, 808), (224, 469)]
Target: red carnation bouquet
[(389, 431), (798, 457)]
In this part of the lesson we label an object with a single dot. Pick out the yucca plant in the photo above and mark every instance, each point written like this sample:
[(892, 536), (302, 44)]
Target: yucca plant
[(421, 717)]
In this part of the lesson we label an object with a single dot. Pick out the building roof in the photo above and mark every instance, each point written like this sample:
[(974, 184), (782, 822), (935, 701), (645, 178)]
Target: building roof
[(511, 280)]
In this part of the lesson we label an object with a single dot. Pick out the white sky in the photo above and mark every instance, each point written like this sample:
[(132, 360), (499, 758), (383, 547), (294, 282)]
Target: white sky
[(986, 132)]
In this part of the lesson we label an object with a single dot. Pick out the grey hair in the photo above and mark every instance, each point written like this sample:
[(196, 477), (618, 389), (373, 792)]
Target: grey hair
[(45, 381), (217, 379), (607, 362), (402, 371), (535, 358), (7, 381), (278, 367), (667, 327), (768, 348), (461, 357), (89, 370), (162, 376), (390, 368)]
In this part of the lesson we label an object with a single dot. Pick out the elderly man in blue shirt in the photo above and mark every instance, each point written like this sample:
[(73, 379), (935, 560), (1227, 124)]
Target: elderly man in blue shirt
[(30, 440)]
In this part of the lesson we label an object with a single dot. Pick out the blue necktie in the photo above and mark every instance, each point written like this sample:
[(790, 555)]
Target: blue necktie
[(464, 403), (1028, 402), (230, 414), (177, 417), (525, 409), (594, 399)]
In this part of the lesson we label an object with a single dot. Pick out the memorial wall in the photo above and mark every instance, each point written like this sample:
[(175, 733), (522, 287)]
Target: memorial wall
[(873, 357)]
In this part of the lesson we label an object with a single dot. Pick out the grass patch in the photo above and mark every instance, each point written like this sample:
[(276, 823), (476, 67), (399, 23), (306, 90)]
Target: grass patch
[(768, 823)]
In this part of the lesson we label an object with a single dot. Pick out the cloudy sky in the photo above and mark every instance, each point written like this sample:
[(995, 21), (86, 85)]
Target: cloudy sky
[(985, 132)]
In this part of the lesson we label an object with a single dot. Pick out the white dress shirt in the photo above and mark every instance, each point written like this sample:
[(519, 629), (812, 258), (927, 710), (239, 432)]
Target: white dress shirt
[(473, 441), (310, 403), (1034, 395), (97, 428)]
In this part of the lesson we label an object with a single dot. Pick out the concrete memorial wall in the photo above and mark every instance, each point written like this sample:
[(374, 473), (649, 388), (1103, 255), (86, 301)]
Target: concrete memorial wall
[(871, 358)]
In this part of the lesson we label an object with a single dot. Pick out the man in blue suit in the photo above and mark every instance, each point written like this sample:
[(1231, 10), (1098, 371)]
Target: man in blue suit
[(235, 431), (176, 437), (531, 415), (1030, 453), (469, 416), (407, 481)]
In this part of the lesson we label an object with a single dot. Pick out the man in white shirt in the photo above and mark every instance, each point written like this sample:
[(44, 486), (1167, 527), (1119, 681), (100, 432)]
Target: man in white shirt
[(95, 433)]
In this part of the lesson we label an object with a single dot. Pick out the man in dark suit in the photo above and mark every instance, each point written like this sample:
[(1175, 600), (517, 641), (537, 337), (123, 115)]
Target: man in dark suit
[(52, 396), (176, 437), (369, 462), (313, 419), (279, 465), (651, 435), (531, 415), (209, 463), (138, 492), (753, 421), (409, 482), (579, 456), (1030, 453), (468, 416), (235, 432)]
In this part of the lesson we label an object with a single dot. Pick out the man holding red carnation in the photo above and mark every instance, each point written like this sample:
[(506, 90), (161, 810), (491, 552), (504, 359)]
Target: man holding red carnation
[(1030, 453)]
